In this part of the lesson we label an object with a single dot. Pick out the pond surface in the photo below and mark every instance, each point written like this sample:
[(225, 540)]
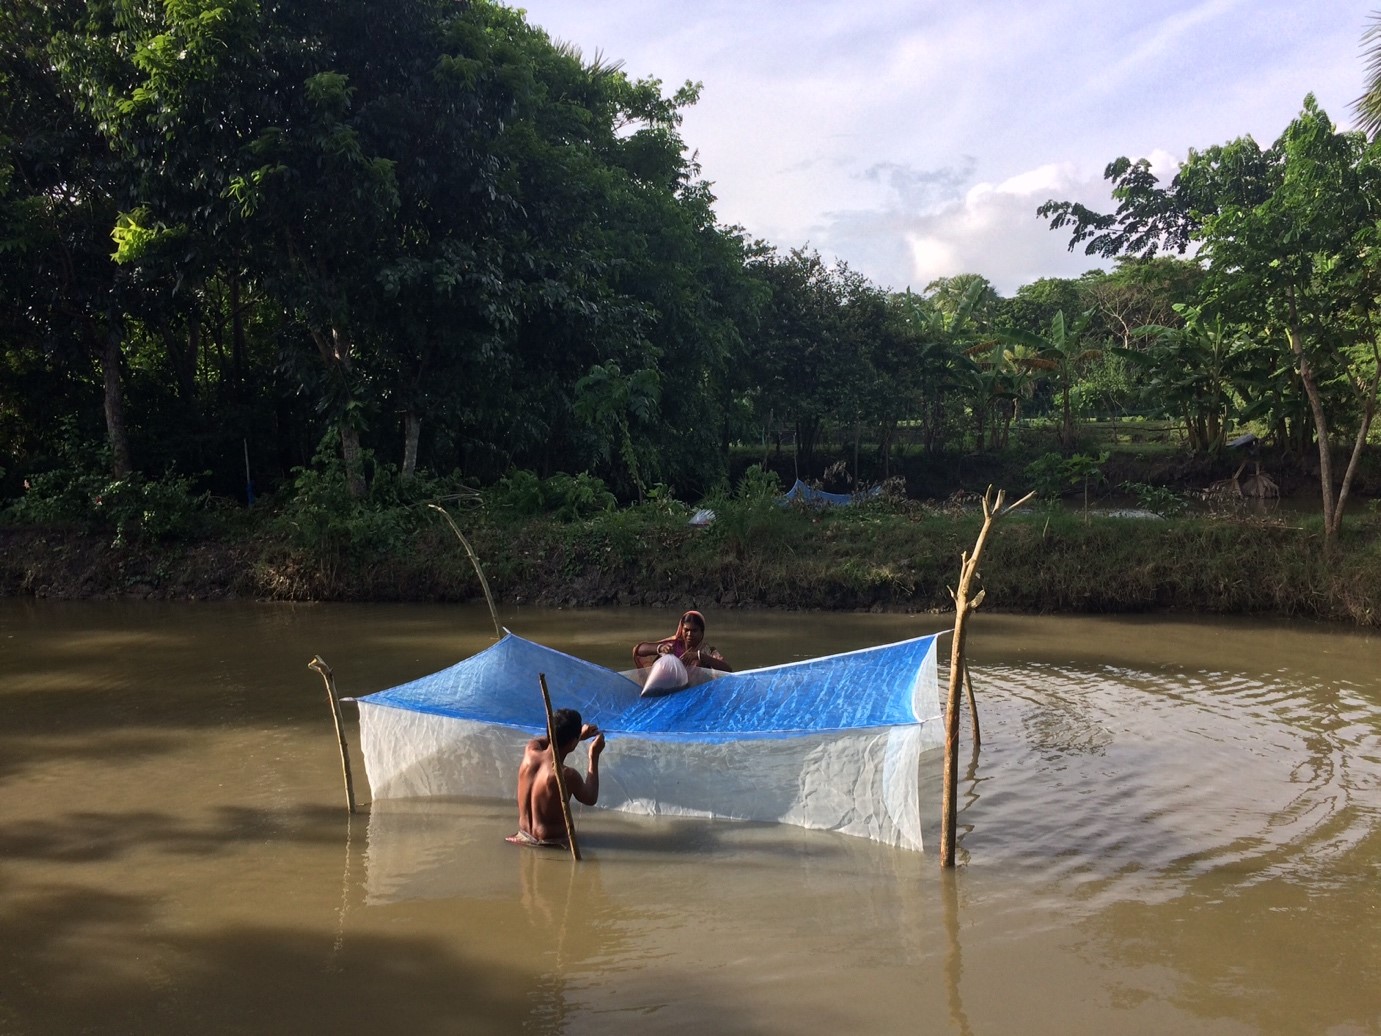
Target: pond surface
[(1172, 826)]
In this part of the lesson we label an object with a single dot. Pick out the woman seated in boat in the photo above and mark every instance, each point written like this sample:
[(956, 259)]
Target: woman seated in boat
[(687, 644)]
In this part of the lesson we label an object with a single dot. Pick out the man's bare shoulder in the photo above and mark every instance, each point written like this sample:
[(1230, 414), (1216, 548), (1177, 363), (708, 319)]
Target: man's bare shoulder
[(535, 754)]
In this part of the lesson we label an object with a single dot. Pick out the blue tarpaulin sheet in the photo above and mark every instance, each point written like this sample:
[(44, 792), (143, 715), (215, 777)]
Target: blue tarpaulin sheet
[(802, 493), (872, 687)]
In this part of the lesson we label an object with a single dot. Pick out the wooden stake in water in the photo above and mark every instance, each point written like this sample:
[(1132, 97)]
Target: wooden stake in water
[(973, 706), (964, 605), (321, 667), (560, 768)]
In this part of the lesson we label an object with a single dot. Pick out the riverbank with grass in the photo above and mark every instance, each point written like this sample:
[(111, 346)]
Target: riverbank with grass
[(884, 555)]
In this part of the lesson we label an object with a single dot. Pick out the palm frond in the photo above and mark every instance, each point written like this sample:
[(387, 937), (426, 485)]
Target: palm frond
[(1368, 106)]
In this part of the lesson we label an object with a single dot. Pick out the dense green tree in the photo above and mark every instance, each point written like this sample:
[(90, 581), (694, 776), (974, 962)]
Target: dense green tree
[(1302, 264), (875, 382), (795, 357), (1138, 292), (64, 299), (964, 310), (457, 219), (966, 300), (1060, 351), (622, 266), (347, 157), (1198, 371), (937, 363), (1034, 305), (1288, 235)]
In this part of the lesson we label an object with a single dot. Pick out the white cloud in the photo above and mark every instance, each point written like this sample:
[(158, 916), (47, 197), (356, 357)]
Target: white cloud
[(915, 138), (994, 230)]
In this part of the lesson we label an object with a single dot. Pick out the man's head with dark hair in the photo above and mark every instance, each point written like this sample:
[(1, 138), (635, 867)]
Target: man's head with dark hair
[(567, 724)]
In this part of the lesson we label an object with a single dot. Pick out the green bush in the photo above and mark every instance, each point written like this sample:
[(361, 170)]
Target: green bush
[(1048, 475), (154, 510), (752, 521), (81, 493), (521, 494), (572, 497), (757, 486), (1156, 499), (516, 495), (321, 516)]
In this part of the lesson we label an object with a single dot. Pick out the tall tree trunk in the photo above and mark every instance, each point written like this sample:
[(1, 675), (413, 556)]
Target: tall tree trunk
[(184, 351), (1068, 433), (887, 436), (807, 431), (335, 347), (354, 465), (237, 338), (858, 436), (1366, 388), (412, 430), (116, 432), (1311, 392)]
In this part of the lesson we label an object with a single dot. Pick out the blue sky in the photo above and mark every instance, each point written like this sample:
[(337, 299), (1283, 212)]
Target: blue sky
[(914, 140)]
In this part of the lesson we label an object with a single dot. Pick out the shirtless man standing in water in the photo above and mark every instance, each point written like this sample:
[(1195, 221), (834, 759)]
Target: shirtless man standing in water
[(540, 821)]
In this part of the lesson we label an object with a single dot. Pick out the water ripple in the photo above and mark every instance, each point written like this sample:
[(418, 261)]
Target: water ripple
[(1127, 783)]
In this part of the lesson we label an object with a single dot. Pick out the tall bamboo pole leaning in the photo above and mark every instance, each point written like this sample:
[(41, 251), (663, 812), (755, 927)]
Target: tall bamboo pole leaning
[(965, 603), (474, 560), (560, 769), (321, 667)]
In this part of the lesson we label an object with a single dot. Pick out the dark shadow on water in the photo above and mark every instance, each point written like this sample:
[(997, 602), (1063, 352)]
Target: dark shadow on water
[(95, 836), (19, 752), (82, 959), (64, 972)]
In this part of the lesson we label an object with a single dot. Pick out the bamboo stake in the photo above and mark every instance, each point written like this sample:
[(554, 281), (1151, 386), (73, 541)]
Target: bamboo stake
[(321, 667), (560, 768), (973, 706), (474, 560), (964, 606)]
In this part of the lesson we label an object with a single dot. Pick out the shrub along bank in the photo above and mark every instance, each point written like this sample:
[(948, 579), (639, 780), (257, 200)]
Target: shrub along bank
[(567, 546)]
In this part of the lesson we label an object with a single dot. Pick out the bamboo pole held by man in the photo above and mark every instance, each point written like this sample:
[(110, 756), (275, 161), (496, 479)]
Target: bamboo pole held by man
[(560, 768)]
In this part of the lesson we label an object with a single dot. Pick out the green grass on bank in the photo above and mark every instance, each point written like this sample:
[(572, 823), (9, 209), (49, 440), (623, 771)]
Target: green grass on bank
[(563, 541), (881, 557), (1039, 561)]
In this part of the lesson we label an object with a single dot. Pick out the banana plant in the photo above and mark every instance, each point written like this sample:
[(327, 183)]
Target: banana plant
[(1060, 352), (1202, 370)]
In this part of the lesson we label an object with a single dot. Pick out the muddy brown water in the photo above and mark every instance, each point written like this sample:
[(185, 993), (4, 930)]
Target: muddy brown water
[(1173, 826)]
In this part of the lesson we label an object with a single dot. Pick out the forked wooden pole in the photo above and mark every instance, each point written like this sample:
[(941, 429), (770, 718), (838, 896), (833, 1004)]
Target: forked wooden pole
[(560, 768), (321, 667), (964, 606)]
